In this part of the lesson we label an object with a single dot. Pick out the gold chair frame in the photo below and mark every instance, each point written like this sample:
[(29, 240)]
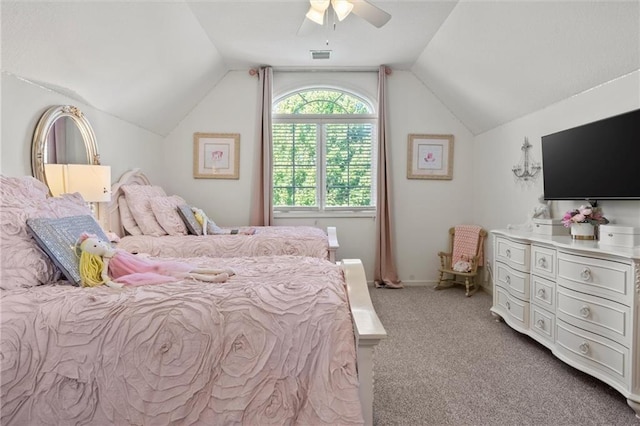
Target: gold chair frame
[(446, 267)]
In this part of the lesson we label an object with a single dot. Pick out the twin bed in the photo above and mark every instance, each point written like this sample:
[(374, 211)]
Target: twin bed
[(266, 241), (288, 339)]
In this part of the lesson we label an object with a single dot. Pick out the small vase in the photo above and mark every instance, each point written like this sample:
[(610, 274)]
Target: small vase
[(583, 231)]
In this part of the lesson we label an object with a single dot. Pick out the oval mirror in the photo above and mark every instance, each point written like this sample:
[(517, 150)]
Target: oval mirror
[(63, 136)]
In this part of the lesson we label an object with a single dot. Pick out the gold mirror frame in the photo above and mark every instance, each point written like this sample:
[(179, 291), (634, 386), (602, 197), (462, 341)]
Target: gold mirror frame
[(45, 124)]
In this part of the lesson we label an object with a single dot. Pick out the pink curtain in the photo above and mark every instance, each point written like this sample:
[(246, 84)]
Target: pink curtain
[(385, 274), (262, 205)]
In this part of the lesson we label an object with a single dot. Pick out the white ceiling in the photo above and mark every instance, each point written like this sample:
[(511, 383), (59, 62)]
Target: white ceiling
[(151, 62)]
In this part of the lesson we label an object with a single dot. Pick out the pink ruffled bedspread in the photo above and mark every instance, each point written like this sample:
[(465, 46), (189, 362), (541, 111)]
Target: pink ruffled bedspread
[(267, 241), (272, 345)]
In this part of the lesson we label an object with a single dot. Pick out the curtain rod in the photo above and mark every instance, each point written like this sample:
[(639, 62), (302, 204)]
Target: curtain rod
[(254, 71)]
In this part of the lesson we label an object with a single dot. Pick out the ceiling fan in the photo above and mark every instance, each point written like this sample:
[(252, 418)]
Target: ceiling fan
[(342, 8)]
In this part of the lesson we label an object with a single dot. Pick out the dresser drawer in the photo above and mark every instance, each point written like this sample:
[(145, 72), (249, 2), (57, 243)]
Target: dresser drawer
[(543, 261), (594, 354), (516, 282), (543, 292), (513, 254), (514, 311), (542, 325), (599, 277), (600, 316)]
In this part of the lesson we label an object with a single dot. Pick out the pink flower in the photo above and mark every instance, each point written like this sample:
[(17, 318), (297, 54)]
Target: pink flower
[(589, 214), (585, 210), (580, 217)]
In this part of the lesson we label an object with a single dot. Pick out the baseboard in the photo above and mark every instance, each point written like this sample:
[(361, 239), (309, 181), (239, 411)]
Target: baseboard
[(412, 283), (417, 283), (487, 289)]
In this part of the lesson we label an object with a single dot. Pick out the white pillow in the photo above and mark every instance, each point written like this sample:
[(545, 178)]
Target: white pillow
[(165, 210), (128, 222), (138, 197)]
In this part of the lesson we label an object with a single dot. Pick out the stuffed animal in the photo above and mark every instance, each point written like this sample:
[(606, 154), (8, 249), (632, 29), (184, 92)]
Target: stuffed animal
[(209, 227), (542, 210), (102, 264)]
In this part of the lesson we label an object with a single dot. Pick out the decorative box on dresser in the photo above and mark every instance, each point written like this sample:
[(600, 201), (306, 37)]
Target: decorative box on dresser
[(579, 298)]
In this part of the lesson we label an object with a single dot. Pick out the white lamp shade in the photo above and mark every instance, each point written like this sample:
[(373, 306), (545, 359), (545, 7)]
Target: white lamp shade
[(93, 182), (320, 5), (55, 176), (317, 10), (342, 8), (315, 15)]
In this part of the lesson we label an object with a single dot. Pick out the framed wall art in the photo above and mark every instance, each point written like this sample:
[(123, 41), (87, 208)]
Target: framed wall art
[(430, 157), (216, 155)]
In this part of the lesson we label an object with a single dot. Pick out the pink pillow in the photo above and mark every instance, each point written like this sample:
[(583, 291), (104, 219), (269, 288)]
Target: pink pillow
[(20, 191), (24, 264), (128, 222), (165, 210), (63, 206), (138, 197)]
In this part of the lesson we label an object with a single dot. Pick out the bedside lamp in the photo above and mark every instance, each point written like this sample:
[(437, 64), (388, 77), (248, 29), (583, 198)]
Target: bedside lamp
[(93, 182)]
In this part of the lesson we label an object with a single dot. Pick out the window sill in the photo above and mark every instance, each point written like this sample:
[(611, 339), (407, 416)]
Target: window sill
[(327, 214)]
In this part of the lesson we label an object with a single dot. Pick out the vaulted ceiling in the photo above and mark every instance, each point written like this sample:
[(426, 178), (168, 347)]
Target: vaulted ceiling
[(151, 62)]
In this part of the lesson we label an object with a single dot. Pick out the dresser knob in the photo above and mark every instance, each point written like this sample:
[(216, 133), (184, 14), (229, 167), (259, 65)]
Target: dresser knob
[(610, 235), (540, 324), (542, 262), (585, 311), (584, 348), (585, 274), (508, 305), (507, 279), (541, 293), (508, 253)]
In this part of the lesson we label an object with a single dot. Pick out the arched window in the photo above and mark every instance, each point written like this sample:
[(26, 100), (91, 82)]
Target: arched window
[(323, 151)]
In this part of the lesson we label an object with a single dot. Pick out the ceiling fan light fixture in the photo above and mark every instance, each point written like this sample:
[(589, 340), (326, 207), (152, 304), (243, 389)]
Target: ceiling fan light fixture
[(342, 8), (315, 15), (320, 5)]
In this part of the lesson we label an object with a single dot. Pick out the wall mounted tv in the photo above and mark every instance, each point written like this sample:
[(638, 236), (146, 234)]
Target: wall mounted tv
[(595, 161)]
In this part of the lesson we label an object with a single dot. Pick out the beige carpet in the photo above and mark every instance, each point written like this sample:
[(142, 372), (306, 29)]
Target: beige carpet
[(448, 362)]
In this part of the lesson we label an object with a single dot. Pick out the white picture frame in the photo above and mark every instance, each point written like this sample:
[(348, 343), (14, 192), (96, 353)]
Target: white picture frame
[(216, 155), (430, 156)]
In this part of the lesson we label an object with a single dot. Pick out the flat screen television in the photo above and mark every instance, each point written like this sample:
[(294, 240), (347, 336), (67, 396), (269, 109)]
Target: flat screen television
[(595, 161)]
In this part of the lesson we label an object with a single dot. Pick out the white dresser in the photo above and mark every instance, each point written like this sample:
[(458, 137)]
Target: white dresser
[(581, 299)]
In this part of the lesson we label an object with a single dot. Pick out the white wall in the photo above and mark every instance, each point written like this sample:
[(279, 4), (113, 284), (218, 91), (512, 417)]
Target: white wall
[(423, 210), (120, 144), (229, 108), (498, 200), (482, 191)]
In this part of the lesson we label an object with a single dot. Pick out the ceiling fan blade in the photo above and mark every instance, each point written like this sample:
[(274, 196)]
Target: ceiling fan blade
[(306, 27), (370, 13)]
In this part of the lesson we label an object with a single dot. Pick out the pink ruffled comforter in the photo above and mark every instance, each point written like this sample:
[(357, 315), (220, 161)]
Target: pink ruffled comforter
[(272, 345), (267, 241)]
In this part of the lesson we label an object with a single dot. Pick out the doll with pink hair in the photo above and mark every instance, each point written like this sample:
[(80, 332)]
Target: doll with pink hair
[(102, 264)]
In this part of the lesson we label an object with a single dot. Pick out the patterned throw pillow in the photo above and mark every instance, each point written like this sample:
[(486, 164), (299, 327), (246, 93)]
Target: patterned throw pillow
[(189, 219), (138, 197), (165, 210), (24, 264), (58, 237)]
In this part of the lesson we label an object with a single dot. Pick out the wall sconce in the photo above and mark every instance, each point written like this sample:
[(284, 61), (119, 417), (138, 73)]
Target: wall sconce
[(526, 169)]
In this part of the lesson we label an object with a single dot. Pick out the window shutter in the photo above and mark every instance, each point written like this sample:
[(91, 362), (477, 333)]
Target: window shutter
[(294, 164), (348, 164)]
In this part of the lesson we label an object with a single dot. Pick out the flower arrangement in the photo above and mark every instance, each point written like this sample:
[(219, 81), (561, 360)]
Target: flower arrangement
[(584, 214)]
